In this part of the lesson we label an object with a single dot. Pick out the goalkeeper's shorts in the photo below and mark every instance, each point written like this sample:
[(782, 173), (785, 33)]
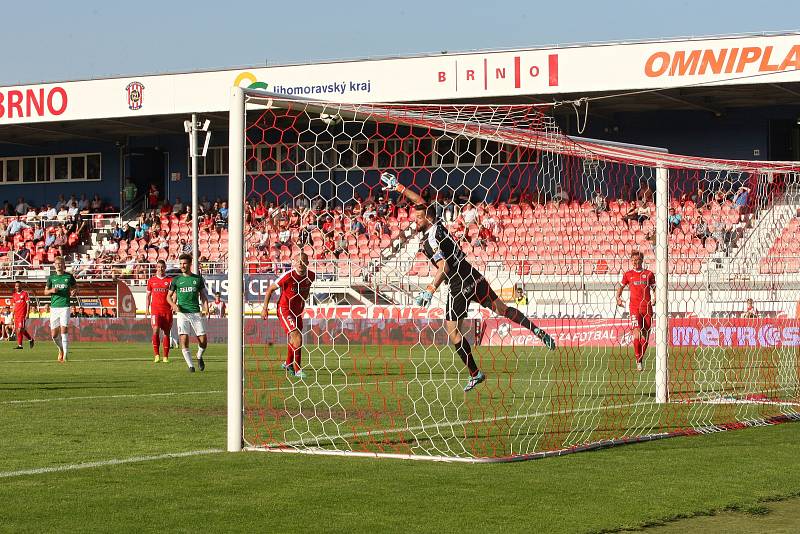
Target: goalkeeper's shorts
[(459, 298)]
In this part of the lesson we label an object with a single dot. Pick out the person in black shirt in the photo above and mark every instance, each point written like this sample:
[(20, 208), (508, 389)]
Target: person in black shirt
[(465, 283)]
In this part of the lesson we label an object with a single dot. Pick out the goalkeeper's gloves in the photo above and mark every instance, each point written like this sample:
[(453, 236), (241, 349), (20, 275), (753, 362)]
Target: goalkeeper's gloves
[(390, 182), (424, 297)]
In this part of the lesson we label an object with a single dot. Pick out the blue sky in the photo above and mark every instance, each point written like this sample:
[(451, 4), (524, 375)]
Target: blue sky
[(53, 41)]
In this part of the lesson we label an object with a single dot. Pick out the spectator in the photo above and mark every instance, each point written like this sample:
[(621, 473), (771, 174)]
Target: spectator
[(305, 237), (223, 211), (22, 206), (521, 299), (153, 195), (16, 226), (117, 233), (750, 311), (701, 230), (674, 220), (357, 226), (50, 238), (599, 203), (49, 213), (341, 245), (204, 205), (8, 209), (560, 195), (645, 192), (185, 248), (96, 205), (140, 232), (31, 216), (166, 208), (83, 204), (741, 199), (129, 192), (178, 208), (637, 212), (700, 197), (284, 237), (62, 203)]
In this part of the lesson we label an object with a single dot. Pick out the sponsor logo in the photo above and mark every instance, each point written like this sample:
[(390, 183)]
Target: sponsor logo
[(33, 102), (135, 91), (750, 59), (327, 87), (127, 304), (488, 71)]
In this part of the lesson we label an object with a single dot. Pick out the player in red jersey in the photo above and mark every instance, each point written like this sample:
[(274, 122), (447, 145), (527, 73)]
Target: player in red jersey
[(641, 284), (295, 286), (21, 301), (159, 309)]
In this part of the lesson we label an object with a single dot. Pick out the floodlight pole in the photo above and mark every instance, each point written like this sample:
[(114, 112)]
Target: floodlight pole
[(235, 268), (195, 226)]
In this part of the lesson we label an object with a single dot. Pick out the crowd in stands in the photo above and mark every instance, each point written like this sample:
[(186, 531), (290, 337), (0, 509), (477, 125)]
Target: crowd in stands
[(360, 229), (39, 234)]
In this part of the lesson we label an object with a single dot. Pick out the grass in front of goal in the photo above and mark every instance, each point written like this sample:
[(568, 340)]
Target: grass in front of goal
[(409, 400), (112, 403)]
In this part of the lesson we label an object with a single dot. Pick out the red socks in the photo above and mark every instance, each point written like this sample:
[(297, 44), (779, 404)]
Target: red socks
[(22, 334), (293, 355), (155, 343), (637, 348), (166, 346)]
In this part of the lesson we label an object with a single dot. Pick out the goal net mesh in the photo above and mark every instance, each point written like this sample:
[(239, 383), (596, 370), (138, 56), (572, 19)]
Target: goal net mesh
[(551, 222)]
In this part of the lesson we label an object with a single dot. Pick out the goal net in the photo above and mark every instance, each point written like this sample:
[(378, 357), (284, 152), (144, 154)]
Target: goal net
[(550, 222)]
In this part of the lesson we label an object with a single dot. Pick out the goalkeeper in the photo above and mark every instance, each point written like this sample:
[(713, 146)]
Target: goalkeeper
[(464, 282)]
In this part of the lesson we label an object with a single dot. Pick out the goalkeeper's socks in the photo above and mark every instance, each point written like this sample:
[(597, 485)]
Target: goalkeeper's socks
[(155, 343), (187, 355), (65, 344), (464, 351), (520, 318)]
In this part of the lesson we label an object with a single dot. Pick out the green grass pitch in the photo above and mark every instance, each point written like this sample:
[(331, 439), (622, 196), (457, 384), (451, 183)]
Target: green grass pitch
[(94, 445)]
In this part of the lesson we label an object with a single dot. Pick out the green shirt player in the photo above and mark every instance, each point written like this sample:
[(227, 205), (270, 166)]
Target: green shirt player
[(187, 292), (60, 286)]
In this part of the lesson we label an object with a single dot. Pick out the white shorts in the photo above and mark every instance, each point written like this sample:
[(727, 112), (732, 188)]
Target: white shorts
[(189, 323), (59, 317)]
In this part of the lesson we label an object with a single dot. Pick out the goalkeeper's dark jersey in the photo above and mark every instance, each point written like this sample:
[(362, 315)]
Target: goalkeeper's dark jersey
[(438, 244)]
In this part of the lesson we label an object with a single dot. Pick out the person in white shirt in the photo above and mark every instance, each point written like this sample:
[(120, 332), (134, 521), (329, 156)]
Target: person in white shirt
[(178, 207), (62, 214), (49, 213), (83, 203)]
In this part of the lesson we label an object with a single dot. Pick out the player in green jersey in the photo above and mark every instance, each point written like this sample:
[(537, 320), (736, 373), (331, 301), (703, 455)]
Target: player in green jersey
[(60, 286), (189, 300)]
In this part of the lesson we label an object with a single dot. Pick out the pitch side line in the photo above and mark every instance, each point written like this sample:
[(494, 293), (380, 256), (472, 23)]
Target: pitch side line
[(120, 396), (105, 463)]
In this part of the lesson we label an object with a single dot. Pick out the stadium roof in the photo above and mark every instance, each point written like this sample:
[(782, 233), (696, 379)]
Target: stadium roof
[(714, 74)]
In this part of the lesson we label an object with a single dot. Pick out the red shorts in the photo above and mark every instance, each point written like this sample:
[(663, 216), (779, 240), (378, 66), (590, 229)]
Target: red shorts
[(162, 321), (19, 322), (289, 321), (642, 321)]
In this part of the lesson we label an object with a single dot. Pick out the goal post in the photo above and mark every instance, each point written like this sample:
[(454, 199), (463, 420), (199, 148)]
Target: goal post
[(235, 268), (550, 222)]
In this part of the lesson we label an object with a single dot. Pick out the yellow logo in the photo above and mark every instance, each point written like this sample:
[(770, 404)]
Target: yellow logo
[(250, 79)]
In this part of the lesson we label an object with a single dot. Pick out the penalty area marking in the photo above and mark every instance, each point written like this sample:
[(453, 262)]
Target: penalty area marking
[(105, 463), (120, 396)]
